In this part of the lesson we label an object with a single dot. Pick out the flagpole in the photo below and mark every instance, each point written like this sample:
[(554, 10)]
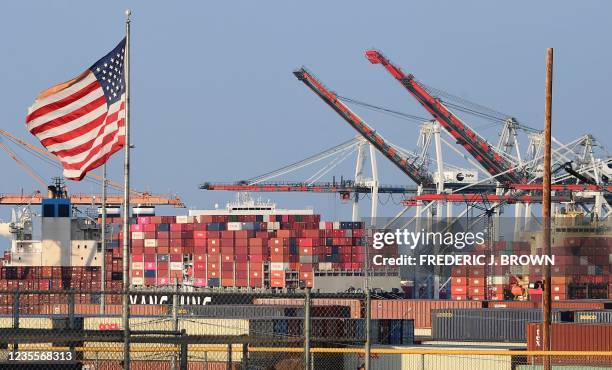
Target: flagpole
[(126, 200), (103, 241)]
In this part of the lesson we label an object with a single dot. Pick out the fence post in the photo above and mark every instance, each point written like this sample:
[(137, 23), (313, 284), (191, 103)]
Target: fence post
[(245, 356), (175, 322), (307, 360), (229, 356), (368, 322), (16, 314), (184, 347)]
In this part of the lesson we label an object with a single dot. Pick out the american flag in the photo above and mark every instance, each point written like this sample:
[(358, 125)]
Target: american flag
[(82, 121)]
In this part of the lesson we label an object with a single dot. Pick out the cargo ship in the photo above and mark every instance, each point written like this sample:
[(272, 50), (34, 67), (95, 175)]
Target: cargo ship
[(248, 244)]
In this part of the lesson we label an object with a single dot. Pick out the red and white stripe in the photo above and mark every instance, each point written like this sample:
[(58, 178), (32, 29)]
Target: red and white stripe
[(73, 122)]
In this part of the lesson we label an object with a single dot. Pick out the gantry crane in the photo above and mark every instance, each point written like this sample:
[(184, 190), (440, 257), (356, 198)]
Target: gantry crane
[(418, 173), (493, 162)]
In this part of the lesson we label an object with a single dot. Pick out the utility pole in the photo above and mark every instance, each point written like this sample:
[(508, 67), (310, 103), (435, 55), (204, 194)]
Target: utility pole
[(546, 297)]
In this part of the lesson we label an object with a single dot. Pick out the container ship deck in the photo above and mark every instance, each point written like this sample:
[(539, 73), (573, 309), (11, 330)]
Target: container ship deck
[(247, 245)]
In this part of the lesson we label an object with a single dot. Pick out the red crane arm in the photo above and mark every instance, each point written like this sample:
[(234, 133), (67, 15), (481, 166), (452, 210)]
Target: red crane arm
[(480, 198), (418, 174), (477, 146)]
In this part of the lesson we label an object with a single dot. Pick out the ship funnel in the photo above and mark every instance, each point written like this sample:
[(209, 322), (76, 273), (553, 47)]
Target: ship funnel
[(51, 191)]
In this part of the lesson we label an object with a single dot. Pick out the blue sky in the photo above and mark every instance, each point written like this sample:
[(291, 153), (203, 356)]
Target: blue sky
[(214, 99)]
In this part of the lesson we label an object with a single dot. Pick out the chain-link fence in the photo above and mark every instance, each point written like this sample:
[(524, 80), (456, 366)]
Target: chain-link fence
[(247, 330)]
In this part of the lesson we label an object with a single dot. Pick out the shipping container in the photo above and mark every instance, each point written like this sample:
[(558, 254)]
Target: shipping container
[(572, 337), (487, 325), (602, 316), (418, 310)]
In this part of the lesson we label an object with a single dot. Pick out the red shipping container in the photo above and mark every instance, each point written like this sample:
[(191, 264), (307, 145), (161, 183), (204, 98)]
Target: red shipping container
[(241, 266), (241, 234), (255, 242), (277, 274), (213, 235), (213, 274), (476, 282), (227, 242), (286, 233), (306, 242), (199, 258), (256, 258), (200, 274), (241, 242), (199, 234), (137, 258), (241, 250), (241, 257), (572, 337), (241, 274), (162, 265), (476, 271), (177, 242), (277, 283), (227, 234), (258, 250), (176, 257)]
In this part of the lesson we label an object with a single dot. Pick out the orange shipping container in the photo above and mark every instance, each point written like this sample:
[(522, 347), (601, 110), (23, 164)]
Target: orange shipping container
[(418, 310)]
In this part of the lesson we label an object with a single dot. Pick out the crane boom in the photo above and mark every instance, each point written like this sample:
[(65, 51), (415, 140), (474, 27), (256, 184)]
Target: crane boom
[(23, 165), (88, 199), (482, 198), (320, 187), (418, 174), (477, 146), (49, 155)]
